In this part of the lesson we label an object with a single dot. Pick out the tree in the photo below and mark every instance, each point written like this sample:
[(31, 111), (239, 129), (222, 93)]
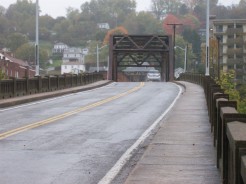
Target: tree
[(2, 74), (242, 4), (183, 10), (213, 53), (26, 52), (142, 23), (2, 10), (162, 7), (179, 53), (3, 25), (112, 11), (193, 37), (227, 83), (19, 12), (15, 40), (221, 12)]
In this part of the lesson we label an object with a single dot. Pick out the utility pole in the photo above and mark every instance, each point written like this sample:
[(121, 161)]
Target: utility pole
[(186, 57), (207, 40), (174, 32), (37, 40)]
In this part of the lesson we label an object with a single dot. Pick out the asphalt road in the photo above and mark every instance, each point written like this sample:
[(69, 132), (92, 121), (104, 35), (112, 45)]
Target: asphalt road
[(78, 138)]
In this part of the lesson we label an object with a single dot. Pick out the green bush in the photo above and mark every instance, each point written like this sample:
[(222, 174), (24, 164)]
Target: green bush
[(228, 83)]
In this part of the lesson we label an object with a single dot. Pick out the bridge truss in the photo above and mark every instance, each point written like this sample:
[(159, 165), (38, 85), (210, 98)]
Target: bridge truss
[(141, 51)]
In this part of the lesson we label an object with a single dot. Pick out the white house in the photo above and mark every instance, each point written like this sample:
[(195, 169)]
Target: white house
[(103, 26), (72, 67), (59, 47), (73, 55)]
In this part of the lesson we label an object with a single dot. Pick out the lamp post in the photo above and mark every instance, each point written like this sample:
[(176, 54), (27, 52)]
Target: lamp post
[(174, 29), (37, 41), (185, 50), (207, 40), (98, 49), (218, 42)]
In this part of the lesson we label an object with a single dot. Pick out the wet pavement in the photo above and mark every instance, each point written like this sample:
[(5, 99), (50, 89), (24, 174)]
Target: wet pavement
[(182, 150)]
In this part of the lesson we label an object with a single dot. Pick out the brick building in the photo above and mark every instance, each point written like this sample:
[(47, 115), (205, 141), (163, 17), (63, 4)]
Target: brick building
[(13, 67)]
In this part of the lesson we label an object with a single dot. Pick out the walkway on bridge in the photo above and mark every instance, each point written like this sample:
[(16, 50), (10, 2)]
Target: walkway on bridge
[(182, 150)]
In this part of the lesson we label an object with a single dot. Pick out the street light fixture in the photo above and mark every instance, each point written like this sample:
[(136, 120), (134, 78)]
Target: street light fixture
[(184, 49)]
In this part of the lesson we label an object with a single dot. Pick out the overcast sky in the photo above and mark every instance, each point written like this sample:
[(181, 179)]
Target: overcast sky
[(58, 7)]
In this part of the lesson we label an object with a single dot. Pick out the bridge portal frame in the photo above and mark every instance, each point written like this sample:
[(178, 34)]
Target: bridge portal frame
[(137, 50)]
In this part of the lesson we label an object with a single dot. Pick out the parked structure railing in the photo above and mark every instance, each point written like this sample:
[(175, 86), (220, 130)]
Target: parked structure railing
[(26, 86), (228, 128)]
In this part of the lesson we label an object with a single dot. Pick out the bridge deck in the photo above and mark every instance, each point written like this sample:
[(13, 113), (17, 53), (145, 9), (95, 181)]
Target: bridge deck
[(182, 150)]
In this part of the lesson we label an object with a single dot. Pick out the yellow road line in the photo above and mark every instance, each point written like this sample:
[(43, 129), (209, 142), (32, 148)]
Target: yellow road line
[(67, 114)]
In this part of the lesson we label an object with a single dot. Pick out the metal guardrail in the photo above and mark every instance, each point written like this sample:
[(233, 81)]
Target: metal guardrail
[(20, 87), (228, 128)]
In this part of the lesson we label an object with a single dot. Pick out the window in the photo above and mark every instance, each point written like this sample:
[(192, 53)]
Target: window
[(230, 67), (239, 26), (219, 28), (230, 26), (239, 56)]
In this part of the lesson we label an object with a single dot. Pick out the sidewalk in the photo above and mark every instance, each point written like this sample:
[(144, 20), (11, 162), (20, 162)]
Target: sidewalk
[(40, 96), (182, 151)]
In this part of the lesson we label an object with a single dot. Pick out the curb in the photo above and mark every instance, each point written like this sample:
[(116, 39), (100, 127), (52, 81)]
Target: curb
[(180, 84), (41, 96)]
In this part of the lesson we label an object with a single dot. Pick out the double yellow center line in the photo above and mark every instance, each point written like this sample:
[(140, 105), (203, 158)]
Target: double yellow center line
[(67, 114)]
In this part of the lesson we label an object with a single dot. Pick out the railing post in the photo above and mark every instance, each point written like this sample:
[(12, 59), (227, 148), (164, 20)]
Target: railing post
[(221, 104), (58, 82), (27, 86), (39, 84), (71, 79), (217, 97), (214, 88), (65, 80), (14, 87), (237, 147), (1, 88), (243, 168), (49, 85), (229, 118), (77, 81)]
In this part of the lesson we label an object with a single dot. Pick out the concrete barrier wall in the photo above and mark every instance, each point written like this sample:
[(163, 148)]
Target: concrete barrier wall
[(228, 128), (20, 87)]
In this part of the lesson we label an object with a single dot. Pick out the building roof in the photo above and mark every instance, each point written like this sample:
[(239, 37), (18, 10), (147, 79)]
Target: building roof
[(229, 21), (15, 60)]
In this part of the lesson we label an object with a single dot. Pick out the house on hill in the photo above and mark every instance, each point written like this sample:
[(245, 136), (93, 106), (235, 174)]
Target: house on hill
[(73, 55), (59, 48), (72, 67)]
